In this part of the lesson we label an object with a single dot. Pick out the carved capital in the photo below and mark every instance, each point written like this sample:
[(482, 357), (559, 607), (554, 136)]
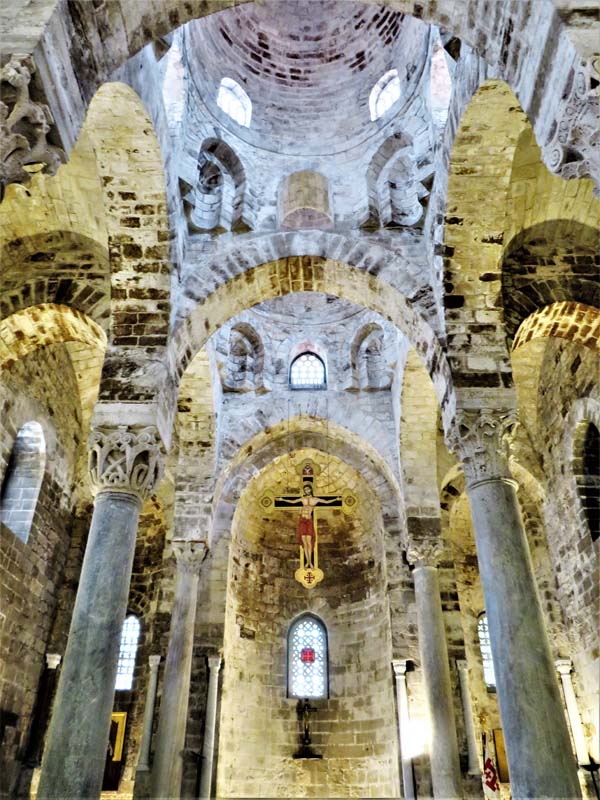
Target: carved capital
[(126, 460), (214, 662), (190, 553), (425, 553), (482, 439), (399, 666), (563, 666), (154, 661), (24, 125), (53, 660)]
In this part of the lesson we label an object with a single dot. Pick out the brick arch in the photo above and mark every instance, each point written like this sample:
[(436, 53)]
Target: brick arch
[(262, 269), (131, 171), (564, 320), (517, 41), (317, 434), (58, 267), (549, 263), (45, 325), (583, 412)]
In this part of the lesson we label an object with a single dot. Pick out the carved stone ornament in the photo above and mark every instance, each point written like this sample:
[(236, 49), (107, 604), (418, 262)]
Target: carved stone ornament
[(126, 459), (24, 125), (482, 439), (190, 553), (573, 148), (425, 553)]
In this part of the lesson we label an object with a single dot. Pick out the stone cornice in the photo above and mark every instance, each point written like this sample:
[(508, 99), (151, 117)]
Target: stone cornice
[(128, 460)]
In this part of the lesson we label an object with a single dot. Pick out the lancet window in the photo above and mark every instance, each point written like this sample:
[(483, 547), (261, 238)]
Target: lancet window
[(23, 480), (234, 101), (384, 94), (308, 665), (130, 635), (486, 652)]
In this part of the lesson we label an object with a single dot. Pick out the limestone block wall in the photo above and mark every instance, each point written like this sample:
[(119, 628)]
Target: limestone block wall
[(40, 387)]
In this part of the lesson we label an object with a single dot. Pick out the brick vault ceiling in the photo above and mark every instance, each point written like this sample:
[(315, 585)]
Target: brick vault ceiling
[(308, 68)]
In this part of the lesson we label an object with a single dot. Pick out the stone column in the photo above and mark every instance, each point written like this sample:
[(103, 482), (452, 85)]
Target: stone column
[(465, 694), (538, 747), (445, 764), (210, 724), (144, 759), (125, 466), (170, 737), (408, 782), (41, 713), (564, 666)]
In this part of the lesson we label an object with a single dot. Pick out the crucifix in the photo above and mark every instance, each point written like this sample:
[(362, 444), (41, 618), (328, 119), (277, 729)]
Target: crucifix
[(308, 573)]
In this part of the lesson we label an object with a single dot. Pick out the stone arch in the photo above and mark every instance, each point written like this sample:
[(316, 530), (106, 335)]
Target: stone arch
[(514, 42), (550, 263), (246, 358), (392, 183), (582, 417), (218, 198), (564, 320), (367, 359), (131, 171)]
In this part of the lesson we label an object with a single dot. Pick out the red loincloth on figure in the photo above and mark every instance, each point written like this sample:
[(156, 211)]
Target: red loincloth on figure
[(306, 528)]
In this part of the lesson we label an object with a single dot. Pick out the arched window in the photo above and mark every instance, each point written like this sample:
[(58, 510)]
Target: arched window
[(308, 667), (23, 480), (384, 94), (127, 652), (589, 482), (486, 652), (234, 101), (307, 372)]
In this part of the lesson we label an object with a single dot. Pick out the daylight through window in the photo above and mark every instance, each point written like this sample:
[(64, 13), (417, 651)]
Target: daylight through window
[(384, 94), (129, 644), (307, 372), (234, 101), (307, 658), (486, 652)]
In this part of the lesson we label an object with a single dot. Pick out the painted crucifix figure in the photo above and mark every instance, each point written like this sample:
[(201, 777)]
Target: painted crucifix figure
[(308, 502)]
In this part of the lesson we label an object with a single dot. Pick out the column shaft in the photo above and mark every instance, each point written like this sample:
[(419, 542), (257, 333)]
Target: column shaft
[(144, 759), (210, 720), (537, 740), (408, 782), (170, 738), (75, 753), (445, 766), (463, 675), (564, 668)]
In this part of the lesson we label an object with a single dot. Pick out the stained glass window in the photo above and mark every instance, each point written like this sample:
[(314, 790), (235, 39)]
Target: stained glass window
[(129, 643), (486, 652), (307, 372), (384, 94), (234, 101), (307, 658)]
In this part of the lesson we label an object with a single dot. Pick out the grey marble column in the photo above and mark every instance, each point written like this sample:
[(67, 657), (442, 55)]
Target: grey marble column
[(443, 753), (125, 465), (564, 667), (408, 783), (170, 737), (210, 725), (540, 758), (144, 759), (465, 694)]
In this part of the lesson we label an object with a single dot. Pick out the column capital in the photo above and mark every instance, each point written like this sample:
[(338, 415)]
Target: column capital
[(399, 666), (190, 553), (53, 660), (482, 438), (564, 666), (214, 661), (424, 553), (126, 459), (154, 661), (461, 665)]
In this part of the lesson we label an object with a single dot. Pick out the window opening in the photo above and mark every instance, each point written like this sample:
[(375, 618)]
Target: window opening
[(307, 372), (485, 647), (234, 101), (308, 658), (589, 488), (23, 480), (127, 652), (384, 94)]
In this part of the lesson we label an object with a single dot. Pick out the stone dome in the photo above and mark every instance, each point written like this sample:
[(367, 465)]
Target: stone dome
[(307, 67)]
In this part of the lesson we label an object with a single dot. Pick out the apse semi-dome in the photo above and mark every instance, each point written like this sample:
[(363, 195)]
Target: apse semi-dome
[(307, 67)]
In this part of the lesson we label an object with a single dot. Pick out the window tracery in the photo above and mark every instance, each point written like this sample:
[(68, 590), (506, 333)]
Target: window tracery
[(308, 658), (307, 372), (234, 101), (130, 635), (384, 94)]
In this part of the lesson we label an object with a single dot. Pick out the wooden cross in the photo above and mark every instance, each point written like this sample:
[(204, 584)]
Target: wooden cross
[(308, 573)]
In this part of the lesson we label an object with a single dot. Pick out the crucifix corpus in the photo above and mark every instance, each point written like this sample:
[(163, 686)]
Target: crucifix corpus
[(307, 503)]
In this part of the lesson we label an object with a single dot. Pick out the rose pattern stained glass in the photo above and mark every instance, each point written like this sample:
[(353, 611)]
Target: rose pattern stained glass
[(307, 665)]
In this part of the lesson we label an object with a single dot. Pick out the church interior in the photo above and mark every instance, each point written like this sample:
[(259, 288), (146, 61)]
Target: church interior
[(299, 399)]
